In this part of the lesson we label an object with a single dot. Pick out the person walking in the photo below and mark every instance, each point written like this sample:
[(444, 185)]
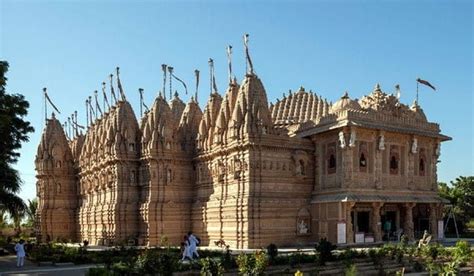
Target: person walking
[(193, 243), (186, 253), (20, 253)]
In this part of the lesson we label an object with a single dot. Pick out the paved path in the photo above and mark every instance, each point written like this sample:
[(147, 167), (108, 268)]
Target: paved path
[(8, 267)]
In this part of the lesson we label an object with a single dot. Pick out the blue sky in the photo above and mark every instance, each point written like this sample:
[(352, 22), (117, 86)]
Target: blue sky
[(70, 47)]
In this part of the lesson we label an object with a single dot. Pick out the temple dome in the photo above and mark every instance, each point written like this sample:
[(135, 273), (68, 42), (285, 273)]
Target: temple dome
[(345, 103)]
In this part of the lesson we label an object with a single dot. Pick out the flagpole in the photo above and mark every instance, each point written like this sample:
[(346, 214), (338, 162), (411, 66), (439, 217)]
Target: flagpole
[(45, 106), (417, 84)]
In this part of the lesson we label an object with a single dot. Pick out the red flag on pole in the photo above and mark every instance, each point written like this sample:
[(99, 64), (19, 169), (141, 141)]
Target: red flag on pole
[(426, 83)]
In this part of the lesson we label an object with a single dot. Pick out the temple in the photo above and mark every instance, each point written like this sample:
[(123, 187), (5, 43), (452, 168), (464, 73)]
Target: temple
[(243, 171)]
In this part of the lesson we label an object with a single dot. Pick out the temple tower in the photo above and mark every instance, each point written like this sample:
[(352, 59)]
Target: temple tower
[(56, 185)]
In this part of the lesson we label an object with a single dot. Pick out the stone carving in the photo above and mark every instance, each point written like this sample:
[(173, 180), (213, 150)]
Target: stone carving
[(382, 142), (414, 146), (352, 140), (342, 140), (302, 227)]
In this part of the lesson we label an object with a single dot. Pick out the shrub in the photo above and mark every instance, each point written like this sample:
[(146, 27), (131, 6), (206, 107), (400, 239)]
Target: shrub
[(462, 252), (154, 261), (98, 271), (210, 267), (351, 270), (325, 248), (253, 264), (272, 251)]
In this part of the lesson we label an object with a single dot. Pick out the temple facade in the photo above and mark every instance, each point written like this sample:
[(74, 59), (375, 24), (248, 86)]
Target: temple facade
[(243, 171)]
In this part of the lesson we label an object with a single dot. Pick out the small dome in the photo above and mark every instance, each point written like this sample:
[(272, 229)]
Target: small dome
[(345, 103)]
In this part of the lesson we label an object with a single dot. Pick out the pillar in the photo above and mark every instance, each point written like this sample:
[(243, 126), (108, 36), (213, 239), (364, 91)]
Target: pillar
[(376, 222), (433, 221), (349, 227), (408, 227)]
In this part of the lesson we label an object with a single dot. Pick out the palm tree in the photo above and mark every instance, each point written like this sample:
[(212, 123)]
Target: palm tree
[(30, 212), (10, 183)]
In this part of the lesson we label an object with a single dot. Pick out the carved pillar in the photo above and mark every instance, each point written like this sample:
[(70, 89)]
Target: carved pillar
[(349, 227), (433, 221), (408, 227), (376, 222)]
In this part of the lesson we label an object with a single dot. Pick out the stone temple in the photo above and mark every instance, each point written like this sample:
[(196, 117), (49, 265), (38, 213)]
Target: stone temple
[(243, 171)]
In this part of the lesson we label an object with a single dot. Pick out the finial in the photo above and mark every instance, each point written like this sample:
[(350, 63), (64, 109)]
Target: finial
[(377, 87), (176, 95), (53, 115), (301, 88), (346, 95), (249, 69), (119, 84), (397, 89)]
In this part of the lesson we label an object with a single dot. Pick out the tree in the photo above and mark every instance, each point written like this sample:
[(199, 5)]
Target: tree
[(30, 212), (461, 196), (14, 130)]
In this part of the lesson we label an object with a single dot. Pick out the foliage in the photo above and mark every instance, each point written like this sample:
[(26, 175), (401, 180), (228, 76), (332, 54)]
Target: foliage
[(351, 270), (462, 252), (325, 248), (30, 212), (211, 267), (461, 196), (252, 264), (13, 131)]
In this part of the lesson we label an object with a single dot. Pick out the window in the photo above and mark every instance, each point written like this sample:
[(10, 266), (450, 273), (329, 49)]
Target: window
[(131, 146), (422, 167), (363, 155), (331, 161), (394, 160), (421, 162)]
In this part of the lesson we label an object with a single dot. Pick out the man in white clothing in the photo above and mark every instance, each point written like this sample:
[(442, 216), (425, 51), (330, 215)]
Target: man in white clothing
[(193, 243), (20, 253)]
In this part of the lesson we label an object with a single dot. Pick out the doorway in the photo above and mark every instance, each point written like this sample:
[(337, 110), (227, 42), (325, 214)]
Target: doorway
[(389, 226), (363, 221)]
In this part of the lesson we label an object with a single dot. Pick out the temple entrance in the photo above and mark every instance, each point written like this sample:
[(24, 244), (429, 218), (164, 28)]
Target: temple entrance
[(363, 222)]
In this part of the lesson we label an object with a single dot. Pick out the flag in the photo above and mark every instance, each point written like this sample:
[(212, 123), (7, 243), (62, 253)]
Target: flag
[(49, 100), (119, 84), (178, 79), (425, 83)]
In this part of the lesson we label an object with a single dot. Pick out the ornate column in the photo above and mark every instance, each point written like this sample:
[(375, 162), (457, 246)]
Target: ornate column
[(433, 221), (408, 227), (349, 228), (376, 222)]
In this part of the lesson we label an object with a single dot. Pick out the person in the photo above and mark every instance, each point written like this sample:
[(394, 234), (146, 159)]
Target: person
[(425, 240), (193, 243), (388, 227), (20, 253), (185, 249)]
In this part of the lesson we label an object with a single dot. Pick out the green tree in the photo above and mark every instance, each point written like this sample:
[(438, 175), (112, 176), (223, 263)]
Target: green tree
[(14, 130), (30, 212), (461, 196)]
